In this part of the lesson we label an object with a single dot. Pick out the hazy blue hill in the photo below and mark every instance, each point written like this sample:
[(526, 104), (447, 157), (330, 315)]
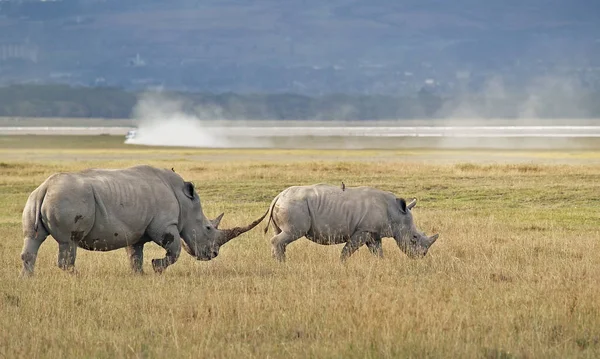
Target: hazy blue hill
[(308, 46)]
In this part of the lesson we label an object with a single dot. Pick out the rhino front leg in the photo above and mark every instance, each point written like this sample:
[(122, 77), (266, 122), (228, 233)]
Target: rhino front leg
[(136, 257), (355, 242), (374, 245), (171, 242)]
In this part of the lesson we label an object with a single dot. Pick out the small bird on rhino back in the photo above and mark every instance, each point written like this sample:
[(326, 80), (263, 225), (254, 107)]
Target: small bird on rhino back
[(355, 216)]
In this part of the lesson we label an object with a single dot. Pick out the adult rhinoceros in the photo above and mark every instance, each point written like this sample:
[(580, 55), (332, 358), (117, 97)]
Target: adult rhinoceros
[(108, 209), (332, 215)]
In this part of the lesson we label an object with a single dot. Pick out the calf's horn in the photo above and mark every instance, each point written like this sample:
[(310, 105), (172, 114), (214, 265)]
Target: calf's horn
[(432, 240)]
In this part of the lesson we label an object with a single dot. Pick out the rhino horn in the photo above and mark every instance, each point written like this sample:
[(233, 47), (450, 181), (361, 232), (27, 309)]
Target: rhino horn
[(432, 240), (229, 234), (412, 204)]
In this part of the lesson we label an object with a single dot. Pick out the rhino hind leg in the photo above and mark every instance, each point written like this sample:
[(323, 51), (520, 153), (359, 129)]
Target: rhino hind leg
[(67, 253), (135, 253), (279, 243), (276, 229), (31, 245), (171, 242)]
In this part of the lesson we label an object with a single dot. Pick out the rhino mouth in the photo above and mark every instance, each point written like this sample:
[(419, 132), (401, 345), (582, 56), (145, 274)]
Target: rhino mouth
[(416, 251), (201, 255), (415, 254), (207, 255)]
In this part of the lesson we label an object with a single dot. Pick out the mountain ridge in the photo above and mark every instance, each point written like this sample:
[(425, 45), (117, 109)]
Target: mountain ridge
[(302, 46)]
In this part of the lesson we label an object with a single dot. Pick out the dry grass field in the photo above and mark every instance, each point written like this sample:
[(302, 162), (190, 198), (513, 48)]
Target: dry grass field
[(514, 274)]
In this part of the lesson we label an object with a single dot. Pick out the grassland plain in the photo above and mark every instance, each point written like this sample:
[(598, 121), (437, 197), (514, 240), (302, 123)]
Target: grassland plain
[(515, 272)]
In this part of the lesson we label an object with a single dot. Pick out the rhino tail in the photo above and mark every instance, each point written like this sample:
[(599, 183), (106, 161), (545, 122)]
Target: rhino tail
[(271, 215), (38, 199)]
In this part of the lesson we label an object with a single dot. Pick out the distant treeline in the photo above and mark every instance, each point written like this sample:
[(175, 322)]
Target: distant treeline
[(81, 102)]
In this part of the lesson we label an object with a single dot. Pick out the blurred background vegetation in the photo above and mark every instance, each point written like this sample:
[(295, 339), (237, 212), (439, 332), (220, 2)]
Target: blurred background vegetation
[(116, 103)]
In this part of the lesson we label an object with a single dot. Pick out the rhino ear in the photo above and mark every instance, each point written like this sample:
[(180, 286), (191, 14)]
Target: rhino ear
[(402, 204), (412, 204), (188, 189)]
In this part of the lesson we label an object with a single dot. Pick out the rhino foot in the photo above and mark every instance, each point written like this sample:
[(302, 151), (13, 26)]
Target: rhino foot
[(158, 266), (72, 271), (26, 273), (28, 264), (278, 252)]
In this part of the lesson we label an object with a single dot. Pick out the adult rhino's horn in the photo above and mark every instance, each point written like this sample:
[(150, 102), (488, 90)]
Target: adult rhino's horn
[(412, 204), (229, 234), (432, 240)]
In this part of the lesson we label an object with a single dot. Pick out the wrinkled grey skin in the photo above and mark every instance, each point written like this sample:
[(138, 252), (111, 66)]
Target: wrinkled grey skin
[(104, 210), (356, 216)]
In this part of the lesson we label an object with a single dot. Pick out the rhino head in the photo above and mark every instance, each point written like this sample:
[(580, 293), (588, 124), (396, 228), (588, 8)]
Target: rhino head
[(410, 240), (201, 237)]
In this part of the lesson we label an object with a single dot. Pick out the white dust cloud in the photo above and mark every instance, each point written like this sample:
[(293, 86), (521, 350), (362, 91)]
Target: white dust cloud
[(540, 103), (162, 121)]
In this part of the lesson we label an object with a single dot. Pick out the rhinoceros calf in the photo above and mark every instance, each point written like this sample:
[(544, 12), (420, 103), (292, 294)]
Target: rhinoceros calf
[(108, 209), (356, 216)]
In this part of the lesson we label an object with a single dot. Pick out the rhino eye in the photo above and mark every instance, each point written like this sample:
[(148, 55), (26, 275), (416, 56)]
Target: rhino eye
[(208, 228)]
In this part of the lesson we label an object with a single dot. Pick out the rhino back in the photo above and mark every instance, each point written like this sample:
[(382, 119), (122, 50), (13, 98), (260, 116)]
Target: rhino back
[(108, 209), (340, 213)]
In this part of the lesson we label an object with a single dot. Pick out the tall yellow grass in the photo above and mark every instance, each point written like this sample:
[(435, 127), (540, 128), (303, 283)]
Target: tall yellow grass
[(515, 272)]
